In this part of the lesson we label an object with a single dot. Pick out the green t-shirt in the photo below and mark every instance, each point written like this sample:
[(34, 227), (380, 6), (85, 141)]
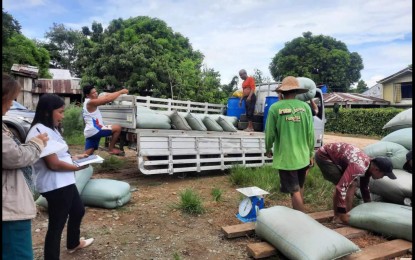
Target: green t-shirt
[(289, 127)]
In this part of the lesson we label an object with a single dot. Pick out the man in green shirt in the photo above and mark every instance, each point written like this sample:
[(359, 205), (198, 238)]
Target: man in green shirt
[(289, 128)]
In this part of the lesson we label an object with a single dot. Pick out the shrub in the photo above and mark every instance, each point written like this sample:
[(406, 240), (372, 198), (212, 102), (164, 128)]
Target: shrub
[(190, 202), (216, 194), (360, 121), (73, 123)]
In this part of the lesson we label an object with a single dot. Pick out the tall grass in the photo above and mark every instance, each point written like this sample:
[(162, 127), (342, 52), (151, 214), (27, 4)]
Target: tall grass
[(317, 191), (190, 202)]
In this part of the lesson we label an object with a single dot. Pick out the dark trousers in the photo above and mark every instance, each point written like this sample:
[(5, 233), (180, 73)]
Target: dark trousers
[(63, 202), (250, 107)]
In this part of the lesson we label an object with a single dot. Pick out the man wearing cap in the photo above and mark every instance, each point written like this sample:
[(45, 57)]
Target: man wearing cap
[(344, 165), (289, 129)]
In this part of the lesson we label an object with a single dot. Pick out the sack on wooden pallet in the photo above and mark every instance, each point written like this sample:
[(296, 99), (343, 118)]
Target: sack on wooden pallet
[(394, 191), (395, 152), (401, 120), (390, 220), (299, 236), (81, 179), (106, 193), (402, 136)]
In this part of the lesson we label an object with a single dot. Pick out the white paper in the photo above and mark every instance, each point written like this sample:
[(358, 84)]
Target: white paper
[(88, 160), (53, 147)]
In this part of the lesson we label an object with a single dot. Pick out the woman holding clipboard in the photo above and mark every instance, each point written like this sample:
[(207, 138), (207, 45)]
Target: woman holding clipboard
[(55, 179)]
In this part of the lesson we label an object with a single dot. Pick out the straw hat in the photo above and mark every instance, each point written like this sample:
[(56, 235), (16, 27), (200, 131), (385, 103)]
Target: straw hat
[(290, 83)]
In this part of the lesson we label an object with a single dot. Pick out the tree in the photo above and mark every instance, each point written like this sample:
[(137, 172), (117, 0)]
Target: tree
[(361, 87), (145, 55), (22, 50), (17, 49), (10, 27), (62, 47), (321, 58)]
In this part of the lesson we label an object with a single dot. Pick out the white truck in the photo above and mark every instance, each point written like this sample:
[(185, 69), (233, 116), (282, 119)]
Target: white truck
[(169, 151)]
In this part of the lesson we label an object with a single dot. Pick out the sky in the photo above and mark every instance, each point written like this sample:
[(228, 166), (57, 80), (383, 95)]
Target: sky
[(247, 34)]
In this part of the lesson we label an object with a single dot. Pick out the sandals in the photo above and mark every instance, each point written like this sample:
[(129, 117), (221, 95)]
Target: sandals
[(82, 244), (117, 152)]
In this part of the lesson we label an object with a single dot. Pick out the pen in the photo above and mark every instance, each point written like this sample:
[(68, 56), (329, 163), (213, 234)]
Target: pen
[(38, 130)]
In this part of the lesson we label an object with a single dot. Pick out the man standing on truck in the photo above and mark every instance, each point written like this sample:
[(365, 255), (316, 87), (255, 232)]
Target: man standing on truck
[(94, 125), (289, 128), (248, 94)]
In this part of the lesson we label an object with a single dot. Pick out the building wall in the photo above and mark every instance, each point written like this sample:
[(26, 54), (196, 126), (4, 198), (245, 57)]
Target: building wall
[(392, 88), (32, 90)]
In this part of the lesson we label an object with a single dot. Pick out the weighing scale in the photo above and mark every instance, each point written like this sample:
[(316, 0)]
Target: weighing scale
[(250, 205)]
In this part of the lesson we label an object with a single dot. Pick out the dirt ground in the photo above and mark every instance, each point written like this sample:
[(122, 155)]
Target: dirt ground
[(149, 227)]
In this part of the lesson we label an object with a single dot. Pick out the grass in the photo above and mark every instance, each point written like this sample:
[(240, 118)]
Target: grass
[(111, 163), (190, 202), (216, 194), (318, 193)]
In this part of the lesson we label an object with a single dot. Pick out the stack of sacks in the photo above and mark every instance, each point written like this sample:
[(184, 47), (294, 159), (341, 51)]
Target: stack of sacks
[(103, 193), (390, 220), (201, 122), (151, 119), (395, 146), (401, 120)]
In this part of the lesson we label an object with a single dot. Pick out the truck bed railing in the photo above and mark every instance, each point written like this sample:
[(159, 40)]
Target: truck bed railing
[(179, 105)]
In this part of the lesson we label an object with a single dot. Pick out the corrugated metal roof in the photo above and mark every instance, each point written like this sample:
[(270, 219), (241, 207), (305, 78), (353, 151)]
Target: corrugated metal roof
[(352, 99), (25, 70)]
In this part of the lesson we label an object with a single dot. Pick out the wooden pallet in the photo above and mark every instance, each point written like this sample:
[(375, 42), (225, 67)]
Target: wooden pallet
[(386, 250)]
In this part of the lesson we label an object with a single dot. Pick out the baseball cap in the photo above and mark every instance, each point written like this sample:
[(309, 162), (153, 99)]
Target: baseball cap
[(408, 158), (385, 165)]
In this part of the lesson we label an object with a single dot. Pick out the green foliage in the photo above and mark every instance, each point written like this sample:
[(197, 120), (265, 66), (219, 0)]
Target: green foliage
[(176, 256), (360, 88), (265, 178), (317, 191), (21, 50), (190, 202), (73, 123), (10, 27), (112, 163), (62, 46), (338, 68), (360, 121), (216, 194)]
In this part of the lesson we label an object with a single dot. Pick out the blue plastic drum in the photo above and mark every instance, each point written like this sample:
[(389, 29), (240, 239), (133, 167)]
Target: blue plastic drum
[(268, 102), (234, 109)]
